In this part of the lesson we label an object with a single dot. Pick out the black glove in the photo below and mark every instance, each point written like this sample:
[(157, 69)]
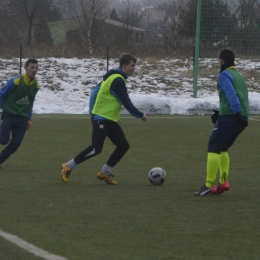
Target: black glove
[(215, 116), (241, 120)]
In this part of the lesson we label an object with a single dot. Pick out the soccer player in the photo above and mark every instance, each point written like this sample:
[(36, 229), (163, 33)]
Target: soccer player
[(105, 105), (16, 100), (229, 122)]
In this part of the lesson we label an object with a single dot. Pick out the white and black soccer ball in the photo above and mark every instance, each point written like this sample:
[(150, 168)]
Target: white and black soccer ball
[(157, 176)]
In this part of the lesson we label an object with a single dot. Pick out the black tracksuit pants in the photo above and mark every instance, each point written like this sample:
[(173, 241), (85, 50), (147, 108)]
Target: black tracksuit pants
[(101, 130)]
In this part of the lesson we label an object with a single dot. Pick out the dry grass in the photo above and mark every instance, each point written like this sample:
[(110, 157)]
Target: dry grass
[(73, 50)]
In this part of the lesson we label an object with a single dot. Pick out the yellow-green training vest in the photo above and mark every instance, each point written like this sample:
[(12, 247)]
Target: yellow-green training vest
[(106, 104)]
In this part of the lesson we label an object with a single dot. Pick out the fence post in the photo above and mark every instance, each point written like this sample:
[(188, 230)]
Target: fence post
[(21, 55), (197, 46), (107, 55)]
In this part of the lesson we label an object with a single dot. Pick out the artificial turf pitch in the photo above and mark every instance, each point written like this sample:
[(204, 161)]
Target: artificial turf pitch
[(88, 219)]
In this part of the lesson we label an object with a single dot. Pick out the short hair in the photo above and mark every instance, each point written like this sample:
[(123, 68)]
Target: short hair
[(125, 58), (27, 63), (227, 55)]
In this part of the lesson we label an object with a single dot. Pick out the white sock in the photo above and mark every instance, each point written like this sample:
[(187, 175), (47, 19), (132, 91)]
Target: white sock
[(71, 164), (106, 169)]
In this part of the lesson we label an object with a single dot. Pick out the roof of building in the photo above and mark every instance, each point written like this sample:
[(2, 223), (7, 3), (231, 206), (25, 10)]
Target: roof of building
[(122, 25)]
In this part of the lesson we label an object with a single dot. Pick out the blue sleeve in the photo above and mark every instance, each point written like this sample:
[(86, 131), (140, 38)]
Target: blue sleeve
[(92, 98), (6, 90), (118, 89), (225, 83)]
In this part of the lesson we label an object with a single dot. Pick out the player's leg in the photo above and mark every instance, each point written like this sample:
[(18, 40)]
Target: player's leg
[(223, 136), (18, 128), (213, 158), (218, 145), (212, 169), (224, 167), (99, 133), (5, 128), (223, 173), (117, 137), (233, 132), (225, 132)]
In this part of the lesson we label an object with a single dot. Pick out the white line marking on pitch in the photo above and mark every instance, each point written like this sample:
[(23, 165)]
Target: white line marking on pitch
[(122, 117), (154, 117), (254, 119), (29, 247)]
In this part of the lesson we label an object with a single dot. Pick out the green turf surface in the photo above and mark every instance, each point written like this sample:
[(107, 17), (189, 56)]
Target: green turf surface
[(88, 219)]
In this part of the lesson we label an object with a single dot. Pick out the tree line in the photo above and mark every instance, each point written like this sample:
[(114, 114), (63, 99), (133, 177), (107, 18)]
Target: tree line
[(167, 24)]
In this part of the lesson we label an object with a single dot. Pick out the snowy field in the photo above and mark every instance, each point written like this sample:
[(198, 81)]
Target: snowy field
[(157, 86)]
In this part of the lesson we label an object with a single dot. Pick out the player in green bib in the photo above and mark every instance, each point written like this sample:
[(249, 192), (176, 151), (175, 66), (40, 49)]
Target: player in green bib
[(16, 101), (229, 122)]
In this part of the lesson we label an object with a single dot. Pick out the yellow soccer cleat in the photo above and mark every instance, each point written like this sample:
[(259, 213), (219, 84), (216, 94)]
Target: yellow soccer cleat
[(65, 172), (106, 178)]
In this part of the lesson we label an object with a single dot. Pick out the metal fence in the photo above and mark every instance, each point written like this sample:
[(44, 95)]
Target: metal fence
[(228, 23), (66, 83), (69, 81)]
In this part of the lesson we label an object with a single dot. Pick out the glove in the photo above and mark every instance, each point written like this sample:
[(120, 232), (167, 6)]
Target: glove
[(241, 120), (215, 116)]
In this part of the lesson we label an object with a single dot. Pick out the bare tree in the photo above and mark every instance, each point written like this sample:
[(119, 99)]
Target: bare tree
[(130, 17), (171, 30), (26, 13), (31, 9), (245, 23), (4, 29), (89, 18)]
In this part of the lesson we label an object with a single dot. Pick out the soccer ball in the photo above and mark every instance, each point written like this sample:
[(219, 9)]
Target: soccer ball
[(157, 176)]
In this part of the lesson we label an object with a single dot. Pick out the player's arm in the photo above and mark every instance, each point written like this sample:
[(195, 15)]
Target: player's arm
[(29, 124), (93, 97), (6, 90), (225, 81), (118, 89)]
